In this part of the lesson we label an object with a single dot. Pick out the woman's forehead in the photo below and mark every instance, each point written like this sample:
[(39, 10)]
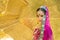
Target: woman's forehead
[(40, 12)]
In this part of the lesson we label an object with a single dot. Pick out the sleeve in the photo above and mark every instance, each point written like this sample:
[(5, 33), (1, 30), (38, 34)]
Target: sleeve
[(36, 34)]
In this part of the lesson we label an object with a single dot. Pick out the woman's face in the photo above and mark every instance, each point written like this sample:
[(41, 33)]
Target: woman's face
[(40, 15)]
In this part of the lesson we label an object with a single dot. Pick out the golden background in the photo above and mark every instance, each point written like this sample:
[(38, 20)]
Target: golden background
[(20, 18)]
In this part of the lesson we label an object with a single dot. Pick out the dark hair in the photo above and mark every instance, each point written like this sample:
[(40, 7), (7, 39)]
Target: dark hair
[(41, 10)]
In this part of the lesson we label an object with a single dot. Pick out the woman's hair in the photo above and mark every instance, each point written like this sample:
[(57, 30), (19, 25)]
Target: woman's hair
[(42, 9)]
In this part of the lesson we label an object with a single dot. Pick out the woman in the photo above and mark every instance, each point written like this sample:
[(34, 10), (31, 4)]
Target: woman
[(45, 32)]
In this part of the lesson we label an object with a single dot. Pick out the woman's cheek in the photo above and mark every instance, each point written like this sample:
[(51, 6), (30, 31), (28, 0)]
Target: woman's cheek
[(40, 18)]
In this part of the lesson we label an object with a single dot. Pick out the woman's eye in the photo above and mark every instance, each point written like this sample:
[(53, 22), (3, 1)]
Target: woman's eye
[(37, 15), (41, 15)]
